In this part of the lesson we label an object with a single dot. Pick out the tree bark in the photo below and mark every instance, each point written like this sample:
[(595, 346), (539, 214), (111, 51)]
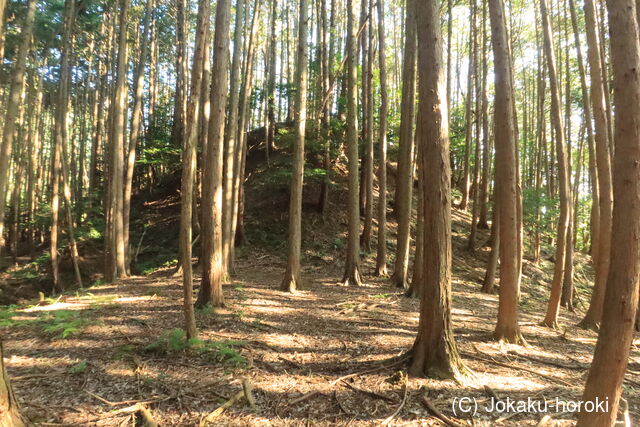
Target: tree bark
[(189, 164), (212, 268), (603, 164), (17, 82), (292, 280), (352, 265), (136, 119), (507, 327), (551, 317), (381, 256), (404, 180), (621, 296), (115, 249), (434, 352)]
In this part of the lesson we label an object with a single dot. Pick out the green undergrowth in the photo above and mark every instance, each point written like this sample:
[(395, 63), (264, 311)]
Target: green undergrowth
[(175, 341), (57, 324)]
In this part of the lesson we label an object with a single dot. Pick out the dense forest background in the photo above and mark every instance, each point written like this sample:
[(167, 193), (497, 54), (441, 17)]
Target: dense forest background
[(342, 211)]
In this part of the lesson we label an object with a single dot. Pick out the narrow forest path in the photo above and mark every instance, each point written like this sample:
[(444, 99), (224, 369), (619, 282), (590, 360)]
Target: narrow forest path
[(286, 345)]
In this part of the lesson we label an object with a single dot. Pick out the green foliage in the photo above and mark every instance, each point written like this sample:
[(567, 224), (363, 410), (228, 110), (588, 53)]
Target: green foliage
[(548, 207), (124, 352), (6, 315), (156, 257), (78, 368), (172, 341), (64, 323), (175, 341)]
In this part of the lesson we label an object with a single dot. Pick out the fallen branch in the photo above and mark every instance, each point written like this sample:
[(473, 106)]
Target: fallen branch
[(355, 374), (370, 393), (248, 393), (442, 417), (404, 400), (220, 409)]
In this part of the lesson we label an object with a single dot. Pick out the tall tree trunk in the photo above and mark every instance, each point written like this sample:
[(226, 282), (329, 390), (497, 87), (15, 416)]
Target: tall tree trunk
[(381, 256), (271, 84), (473, 189), (212, 268), (551, 318), (136, 119), (352, 265), (115, 249), (507, 327), (189, 163), (237, 231), (468, 110), (368, 132), (603, 164), (588, 120), (180, 100), (404, 180), (292, 280), (434, 352), (485, 178), (13, 105), (621, 296), (230, 185)]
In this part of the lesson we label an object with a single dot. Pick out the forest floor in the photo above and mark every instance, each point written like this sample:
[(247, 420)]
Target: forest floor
[(327, 355)]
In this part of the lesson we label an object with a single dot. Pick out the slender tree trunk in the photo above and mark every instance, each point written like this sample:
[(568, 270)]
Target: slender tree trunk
[(492, 265), (434, 352), (352, 265), (189, 164), (231, 180), (17, 82), (381, 256), (484, 181), (240, 160), (507, 327), (136, 119), (468, 111), (212, 267), (115, 251), (473, 189), (551, 318), (180, 103), (588, 119), (621, 296), (368, 164), (603, 164), (271, 84), (404, 179), (292, 280)]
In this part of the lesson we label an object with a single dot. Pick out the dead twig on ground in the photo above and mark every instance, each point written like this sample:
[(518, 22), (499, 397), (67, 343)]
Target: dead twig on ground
[(442, 417), (402, 403), (370, 393), (220, 409)]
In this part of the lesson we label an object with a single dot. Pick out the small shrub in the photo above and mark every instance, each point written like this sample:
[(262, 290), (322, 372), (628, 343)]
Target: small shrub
[(78, 368), (175, 341), (64, 323)]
